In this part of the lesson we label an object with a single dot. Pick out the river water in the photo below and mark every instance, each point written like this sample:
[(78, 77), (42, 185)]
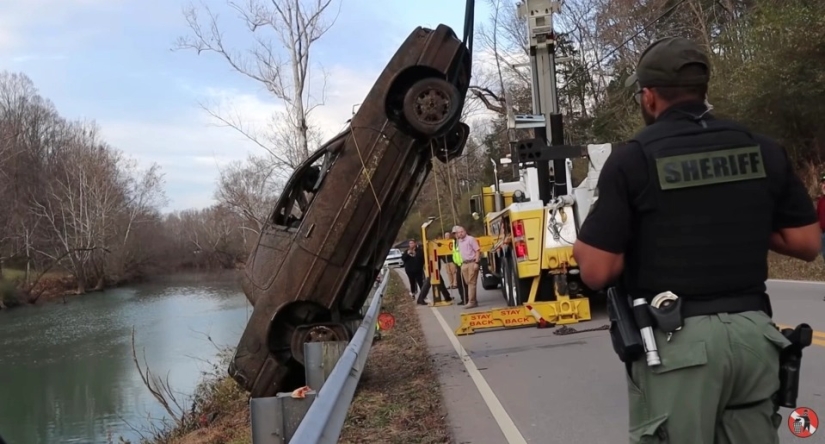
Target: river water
[(66, 371)]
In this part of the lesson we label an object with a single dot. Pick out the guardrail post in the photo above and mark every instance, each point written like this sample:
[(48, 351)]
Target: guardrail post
[(319, 360), (276, 418)]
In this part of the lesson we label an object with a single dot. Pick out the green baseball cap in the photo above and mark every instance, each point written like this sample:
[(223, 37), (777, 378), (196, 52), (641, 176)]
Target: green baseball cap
[(660, 63)]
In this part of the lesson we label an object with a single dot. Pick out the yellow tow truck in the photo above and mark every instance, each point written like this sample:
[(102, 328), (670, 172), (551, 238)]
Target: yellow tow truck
[(533, 222)]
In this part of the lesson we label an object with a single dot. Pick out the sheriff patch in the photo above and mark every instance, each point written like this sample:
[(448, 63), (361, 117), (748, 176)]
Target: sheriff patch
[(711, 167)]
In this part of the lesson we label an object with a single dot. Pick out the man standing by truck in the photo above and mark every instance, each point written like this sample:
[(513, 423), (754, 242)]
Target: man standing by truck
[(469, 250), (413, 260)]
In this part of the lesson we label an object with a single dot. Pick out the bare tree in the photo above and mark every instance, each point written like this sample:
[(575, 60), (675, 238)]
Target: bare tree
[(505, 40), (79, 202), (296, 25), (249, 189)]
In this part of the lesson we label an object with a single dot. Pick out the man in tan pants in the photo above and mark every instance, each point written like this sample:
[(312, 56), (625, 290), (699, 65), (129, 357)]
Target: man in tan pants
[(452, 268), (469, 249)]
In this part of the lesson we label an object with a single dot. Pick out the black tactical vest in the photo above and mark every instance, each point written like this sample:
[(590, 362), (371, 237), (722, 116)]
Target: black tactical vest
[(704, 219)]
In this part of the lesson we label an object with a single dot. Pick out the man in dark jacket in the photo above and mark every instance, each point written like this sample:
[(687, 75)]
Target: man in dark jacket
[(413, 260), (820, 210)]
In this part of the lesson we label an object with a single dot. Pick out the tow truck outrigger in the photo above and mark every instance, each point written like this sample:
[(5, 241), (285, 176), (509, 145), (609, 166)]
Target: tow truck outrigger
[(535, 220)]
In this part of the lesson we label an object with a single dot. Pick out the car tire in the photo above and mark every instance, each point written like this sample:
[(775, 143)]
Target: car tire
[(453, 142), (431, 105)]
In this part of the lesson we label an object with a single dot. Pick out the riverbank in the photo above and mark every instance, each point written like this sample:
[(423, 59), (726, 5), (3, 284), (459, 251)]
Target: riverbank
[(58, 286), (398, 398)]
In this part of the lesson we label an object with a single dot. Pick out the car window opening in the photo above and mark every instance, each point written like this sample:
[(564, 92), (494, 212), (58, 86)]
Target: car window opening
[(302, 193)]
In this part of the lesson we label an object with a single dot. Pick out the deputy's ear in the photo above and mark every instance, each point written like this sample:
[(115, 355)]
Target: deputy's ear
[(648, 97)]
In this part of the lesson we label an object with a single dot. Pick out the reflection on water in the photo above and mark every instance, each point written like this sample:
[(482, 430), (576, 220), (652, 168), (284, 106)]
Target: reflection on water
[(66, 371)]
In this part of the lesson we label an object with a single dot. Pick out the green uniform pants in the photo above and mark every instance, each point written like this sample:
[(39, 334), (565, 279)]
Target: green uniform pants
[(714, 385)]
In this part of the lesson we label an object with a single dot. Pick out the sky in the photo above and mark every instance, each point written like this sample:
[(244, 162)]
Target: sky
[(113, 61)]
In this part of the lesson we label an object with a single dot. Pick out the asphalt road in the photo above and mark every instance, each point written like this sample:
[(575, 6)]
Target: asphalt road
[(530, 386)]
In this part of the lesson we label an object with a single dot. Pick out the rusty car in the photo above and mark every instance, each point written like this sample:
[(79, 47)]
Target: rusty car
[(322, 247)]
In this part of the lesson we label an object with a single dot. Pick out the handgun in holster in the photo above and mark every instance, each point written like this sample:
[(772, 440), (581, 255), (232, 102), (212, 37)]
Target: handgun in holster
[(624, 332), (790, 361)]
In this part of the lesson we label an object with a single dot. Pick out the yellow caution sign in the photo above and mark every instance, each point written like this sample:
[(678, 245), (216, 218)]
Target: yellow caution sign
[(550, 313)]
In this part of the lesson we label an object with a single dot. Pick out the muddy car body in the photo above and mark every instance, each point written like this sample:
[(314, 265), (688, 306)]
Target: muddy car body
[(326, 240)]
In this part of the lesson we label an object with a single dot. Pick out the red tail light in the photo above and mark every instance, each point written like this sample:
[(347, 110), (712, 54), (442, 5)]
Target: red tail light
[(521, 251), (518, 229), (518, 241)]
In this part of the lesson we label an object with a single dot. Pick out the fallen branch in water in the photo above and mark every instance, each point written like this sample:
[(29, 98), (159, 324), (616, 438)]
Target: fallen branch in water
[(162, 392), (217, 402)]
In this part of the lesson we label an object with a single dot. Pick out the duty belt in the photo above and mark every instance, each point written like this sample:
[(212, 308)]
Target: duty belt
[(727, 304)]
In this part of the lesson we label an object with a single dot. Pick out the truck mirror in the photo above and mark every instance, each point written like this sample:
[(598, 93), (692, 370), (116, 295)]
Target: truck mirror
[(474, 204)]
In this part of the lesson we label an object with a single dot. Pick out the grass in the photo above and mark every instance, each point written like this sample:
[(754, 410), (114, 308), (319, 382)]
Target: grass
[(51, 285), (223, 415), (398, 399), (14, 274)]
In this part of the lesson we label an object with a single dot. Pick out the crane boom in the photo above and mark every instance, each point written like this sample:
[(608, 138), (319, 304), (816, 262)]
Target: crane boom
[(546, 118)]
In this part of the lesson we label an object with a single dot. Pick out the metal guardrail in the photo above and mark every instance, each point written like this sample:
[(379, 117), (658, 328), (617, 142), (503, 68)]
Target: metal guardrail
[(325, 418)]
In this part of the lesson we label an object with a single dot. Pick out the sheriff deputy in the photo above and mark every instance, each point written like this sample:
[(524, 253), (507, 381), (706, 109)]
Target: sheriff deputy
[(692, 205)]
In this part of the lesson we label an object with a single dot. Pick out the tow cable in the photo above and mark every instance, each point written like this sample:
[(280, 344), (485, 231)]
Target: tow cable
[(565, 330)]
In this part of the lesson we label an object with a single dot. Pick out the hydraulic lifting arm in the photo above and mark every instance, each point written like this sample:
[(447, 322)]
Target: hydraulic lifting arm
[(546, 117), (552, 160)]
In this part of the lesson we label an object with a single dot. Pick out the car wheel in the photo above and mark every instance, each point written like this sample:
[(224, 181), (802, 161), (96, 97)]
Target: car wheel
[(451, 145), (430, 106)]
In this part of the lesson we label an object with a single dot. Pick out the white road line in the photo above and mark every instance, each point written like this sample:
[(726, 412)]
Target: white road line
[(791, 281), (505, 423)]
